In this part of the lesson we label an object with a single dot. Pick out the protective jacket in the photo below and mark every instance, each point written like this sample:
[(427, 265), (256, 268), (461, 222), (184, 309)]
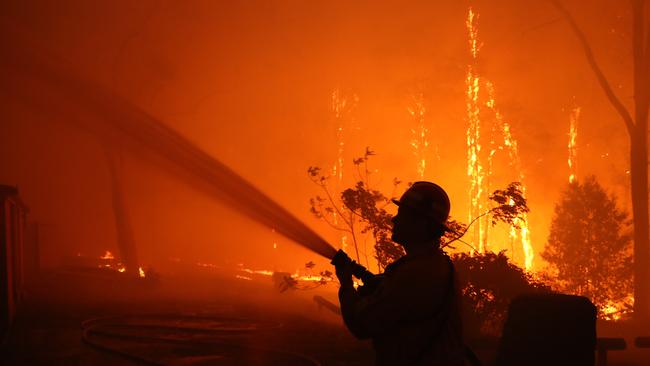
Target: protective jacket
[(412, 316)]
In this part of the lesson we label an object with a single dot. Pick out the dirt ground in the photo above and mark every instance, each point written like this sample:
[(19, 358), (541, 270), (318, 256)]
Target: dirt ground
[(99, 320), (72, 318)]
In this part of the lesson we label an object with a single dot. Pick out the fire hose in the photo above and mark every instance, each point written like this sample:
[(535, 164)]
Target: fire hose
[(196, 339)]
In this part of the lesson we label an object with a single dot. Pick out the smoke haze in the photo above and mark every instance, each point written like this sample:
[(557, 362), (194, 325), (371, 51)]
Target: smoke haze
[(250, 83)]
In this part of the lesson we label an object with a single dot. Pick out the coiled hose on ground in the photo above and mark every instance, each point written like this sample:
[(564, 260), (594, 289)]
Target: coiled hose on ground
[(173, 339)]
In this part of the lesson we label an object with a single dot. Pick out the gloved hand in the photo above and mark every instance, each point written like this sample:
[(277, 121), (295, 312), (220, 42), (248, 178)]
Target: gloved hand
[(344, 274), (344, 268)]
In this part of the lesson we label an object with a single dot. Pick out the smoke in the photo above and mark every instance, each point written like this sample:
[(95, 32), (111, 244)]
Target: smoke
[(251, 83), (121, 124)]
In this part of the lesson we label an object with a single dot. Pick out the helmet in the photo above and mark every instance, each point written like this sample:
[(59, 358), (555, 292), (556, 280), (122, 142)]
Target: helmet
[(427, 199)]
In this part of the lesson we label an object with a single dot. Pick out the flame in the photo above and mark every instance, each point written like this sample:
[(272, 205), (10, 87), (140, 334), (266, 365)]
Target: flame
[(472, 30), (616, 310), (260, 272), (610, 311), (474, 167), (338, 107), (111, 263), (511, 145), (341, 108), (263, 272), (419, 134), (141, 272), (479, 176), (573, 151)]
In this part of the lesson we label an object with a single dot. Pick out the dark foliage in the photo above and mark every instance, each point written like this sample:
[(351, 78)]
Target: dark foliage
[(358, 211), (589, 246), (511, 205), (368, 205), (488, 283)]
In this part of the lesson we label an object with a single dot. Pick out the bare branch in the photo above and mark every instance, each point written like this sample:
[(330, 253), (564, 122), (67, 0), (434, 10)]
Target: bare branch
[(354, 239), (329, 197), (591, 59), (460, 235)]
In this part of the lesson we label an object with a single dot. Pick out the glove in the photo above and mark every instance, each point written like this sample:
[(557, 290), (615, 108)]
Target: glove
[(344, 268)]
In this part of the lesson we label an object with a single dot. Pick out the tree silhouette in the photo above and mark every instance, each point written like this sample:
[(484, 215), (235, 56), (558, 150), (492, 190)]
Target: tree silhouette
[(636, 123), (590, 246), (361, 212)]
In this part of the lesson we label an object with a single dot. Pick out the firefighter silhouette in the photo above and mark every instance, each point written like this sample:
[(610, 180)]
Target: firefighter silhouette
[(411, 311)]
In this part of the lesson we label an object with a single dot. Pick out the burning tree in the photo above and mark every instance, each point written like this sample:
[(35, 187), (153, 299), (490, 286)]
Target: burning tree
[(589, 247), (482, 149)]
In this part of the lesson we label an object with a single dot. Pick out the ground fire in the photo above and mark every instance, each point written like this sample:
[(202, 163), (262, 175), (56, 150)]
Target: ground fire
[(325, 183)]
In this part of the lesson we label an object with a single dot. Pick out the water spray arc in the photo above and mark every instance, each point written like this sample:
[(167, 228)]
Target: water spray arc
[(115, 121)]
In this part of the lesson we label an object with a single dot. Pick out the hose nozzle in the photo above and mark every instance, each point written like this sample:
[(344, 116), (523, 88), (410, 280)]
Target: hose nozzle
[(358, 271)]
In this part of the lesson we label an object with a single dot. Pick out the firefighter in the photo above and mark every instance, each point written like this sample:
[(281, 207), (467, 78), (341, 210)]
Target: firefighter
[(412, 314)]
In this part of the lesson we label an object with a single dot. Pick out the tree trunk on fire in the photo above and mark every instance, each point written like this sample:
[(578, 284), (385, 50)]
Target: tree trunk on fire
[(637, 128)]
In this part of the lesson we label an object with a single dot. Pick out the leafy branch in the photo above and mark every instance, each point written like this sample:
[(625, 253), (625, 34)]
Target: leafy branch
[(360, 208)]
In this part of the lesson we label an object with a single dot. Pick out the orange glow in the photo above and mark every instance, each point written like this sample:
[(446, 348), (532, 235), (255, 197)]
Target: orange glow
[(260, 272), (474, 167), (271, 90), (521, 234), (339, 104), (479, 175), (419, 134), (472, 30), (342, 108), (573, 150)]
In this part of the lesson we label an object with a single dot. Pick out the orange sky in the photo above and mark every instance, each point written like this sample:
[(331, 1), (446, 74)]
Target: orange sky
[(250, 83)]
